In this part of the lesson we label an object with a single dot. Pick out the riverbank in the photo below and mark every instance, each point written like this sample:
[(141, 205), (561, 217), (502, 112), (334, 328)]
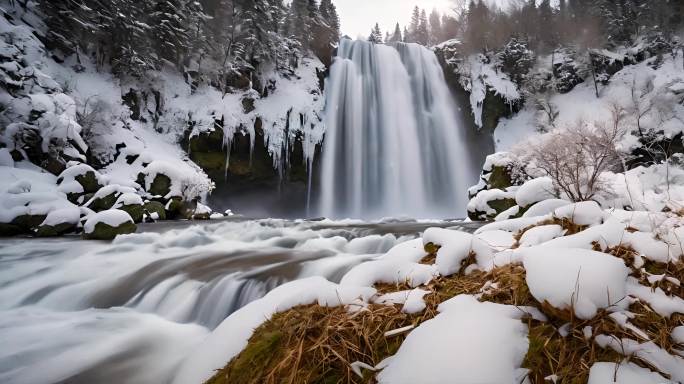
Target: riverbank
[(580, 294)]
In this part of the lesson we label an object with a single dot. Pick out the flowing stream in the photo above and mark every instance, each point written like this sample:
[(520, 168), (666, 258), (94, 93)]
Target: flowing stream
[(393, 143), (129, 311)]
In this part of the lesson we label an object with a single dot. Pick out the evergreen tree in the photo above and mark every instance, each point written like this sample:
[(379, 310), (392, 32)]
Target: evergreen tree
[(436, 31), (396, 36), (423, 35), (412, 35), (375, 36)]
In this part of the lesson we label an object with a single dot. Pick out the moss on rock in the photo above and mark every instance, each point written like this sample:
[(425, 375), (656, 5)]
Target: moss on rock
[(89, 182), (54, 230), (104, 203), (155, 207), (135, 210), (500, 178), (105, 231), (161, 185)]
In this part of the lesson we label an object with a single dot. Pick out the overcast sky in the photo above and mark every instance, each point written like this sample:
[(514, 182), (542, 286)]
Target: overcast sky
[(358, 16)]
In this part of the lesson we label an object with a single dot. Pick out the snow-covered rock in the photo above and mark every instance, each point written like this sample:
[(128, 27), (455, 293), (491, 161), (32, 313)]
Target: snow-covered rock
[(106, 225)]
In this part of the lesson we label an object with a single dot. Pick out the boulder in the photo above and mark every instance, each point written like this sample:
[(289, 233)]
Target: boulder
[(131, 203), (106, 225), (160, 186), (54, 230), (154, 210)]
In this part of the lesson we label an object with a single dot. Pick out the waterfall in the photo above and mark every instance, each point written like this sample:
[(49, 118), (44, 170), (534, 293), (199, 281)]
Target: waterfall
[(393, 144)]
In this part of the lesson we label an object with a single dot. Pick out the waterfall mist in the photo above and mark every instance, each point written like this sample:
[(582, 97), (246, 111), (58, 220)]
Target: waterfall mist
[(394, 145)]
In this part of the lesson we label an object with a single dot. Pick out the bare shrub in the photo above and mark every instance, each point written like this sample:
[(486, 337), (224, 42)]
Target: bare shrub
[(92, 118), (576, 156)]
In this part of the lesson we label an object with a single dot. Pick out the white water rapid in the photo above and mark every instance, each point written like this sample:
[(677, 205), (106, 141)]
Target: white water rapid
[(133, 310), (393, 144)]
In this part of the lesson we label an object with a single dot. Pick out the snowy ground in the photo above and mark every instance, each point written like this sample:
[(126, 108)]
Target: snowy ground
[(569, 271)]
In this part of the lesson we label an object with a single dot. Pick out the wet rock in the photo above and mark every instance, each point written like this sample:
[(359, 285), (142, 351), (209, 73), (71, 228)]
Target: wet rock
[(8, 230), (134, 210), (154, 210), (55, 230)]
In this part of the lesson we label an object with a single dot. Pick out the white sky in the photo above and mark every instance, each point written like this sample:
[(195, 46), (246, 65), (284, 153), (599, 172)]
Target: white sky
[(358, 16)]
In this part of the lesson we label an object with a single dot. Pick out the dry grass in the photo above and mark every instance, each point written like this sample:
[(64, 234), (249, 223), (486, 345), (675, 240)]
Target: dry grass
[(312, 344)]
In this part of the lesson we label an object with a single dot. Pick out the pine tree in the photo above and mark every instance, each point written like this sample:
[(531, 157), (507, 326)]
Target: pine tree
[(450, 27), (423, 35), (412, 36), (396, 36), (375, 35), (436, 31)]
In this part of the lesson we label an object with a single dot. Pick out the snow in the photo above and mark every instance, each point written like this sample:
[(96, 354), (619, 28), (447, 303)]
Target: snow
[(70, 215), (575, 278), (455, 247), (657, 299), (582, 213), (534, 191), (678, 334), (540, 234), (29, 191), (128, 198), (479, 202), (497, 239), (411, 300), (648, 352), (623, 373), (229, 338), (467, 342), (6, 158), (545, 207), (111, 217)]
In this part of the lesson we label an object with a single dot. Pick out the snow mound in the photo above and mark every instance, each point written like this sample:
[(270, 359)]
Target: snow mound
[(575, 278), (399, 265), (468, 342), (455, 247), (534, 191), (541, 234)]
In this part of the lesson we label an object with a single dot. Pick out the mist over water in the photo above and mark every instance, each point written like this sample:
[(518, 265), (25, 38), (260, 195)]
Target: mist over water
[(394, 145)]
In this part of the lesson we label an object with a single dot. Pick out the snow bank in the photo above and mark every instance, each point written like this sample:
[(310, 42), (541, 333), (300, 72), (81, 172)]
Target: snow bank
[(575, 278), (468, 342)]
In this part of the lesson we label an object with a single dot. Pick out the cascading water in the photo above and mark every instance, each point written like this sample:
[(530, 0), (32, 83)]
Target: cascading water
[(393, 145)]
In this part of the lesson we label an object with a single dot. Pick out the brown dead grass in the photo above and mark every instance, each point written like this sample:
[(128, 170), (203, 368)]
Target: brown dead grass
[(313, 344)]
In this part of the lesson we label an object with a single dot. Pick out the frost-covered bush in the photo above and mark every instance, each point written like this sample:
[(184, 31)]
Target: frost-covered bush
[(576, 156)]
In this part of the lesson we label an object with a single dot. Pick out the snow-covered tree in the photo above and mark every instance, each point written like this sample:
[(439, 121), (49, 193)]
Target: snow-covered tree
[(375, 35)]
